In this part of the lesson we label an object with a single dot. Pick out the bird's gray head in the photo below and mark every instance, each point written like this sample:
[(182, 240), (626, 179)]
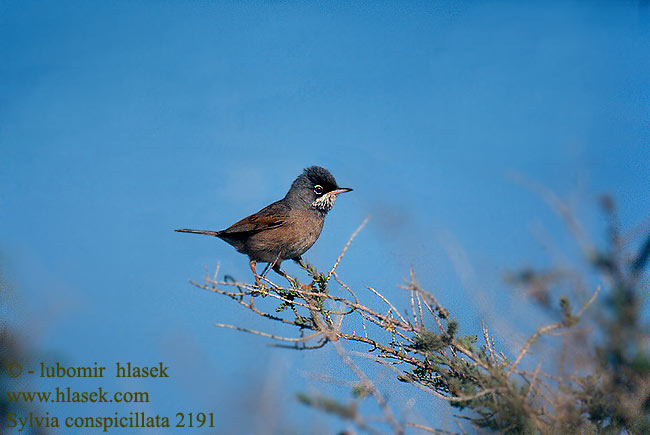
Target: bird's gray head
[(315, 188)]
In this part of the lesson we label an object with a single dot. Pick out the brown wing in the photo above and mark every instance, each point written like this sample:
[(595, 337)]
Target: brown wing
[(272, 216)]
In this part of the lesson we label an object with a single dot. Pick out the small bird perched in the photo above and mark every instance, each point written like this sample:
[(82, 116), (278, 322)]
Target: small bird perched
[(287, 228)]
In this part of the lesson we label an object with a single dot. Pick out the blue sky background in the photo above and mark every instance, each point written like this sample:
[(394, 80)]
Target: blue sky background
[(122, 120)]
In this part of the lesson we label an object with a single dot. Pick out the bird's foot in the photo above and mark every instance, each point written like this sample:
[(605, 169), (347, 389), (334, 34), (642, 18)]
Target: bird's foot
[(261, 289)]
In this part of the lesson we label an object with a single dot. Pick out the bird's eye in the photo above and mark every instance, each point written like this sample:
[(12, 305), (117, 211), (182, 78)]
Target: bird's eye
[(318, 189)]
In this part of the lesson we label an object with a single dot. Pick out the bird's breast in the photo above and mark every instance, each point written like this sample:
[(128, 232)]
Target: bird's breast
[(302, 232)]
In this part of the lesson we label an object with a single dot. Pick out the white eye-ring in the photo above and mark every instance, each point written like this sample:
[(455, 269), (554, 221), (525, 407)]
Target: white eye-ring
[(318, 189)]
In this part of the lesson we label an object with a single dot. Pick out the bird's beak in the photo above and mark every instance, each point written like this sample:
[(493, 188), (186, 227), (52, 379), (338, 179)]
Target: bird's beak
[(340, 190)]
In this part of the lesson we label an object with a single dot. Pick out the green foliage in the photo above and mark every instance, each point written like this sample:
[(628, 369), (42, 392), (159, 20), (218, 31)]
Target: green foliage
[(290, 295), (328, 405), (609, 391), (428, 341), (452, 327), (359, 391), (565, 306), (468, 342), (305, 322), (319, 278)]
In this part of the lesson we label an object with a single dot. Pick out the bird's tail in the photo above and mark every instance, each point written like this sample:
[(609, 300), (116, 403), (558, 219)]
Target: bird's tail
[(207, 233)]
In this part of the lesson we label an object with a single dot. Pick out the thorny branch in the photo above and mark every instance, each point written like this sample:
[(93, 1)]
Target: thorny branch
[(434, 358), (438, 361)]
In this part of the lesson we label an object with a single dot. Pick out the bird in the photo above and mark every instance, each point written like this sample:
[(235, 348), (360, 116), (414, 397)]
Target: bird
[(285, 229)]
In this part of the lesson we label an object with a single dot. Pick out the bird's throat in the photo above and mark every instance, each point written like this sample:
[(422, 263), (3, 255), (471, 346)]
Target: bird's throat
[(324, 203)]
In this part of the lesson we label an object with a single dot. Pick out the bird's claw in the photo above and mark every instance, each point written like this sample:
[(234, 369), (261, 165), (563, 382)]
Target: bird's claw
[(261, 290)]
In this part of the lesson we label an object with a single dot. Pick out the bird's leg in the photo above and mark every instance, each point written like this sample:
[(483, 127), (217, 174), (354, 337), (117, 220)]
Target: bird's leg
[(266, 269), (299, 261), (279, 271), (252, 264)]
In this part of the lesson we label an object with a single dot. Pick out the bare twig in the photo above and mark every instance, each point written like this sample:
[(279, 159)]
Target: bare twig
[(265, 334), (347, 245), (397, 428), (429, 429)]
